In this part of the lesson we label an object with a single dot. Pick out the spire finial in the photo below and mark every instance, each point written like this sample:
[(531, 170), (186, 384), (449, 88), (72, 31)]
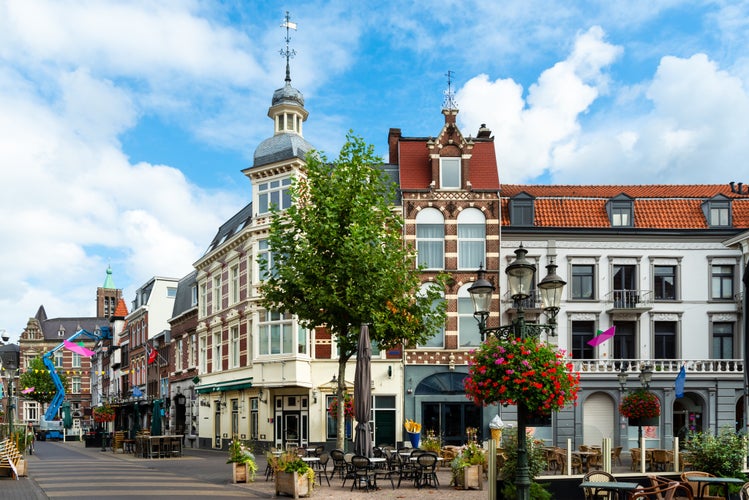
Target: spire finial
[(449, 102), (288, 53)]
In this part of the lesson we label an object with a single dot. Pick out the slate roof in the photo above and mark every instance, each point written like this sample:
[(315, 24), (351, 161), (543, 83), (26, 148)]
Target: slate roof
[(281, 147), (236, 223), (655, 206), (51, 326), (183, 299)]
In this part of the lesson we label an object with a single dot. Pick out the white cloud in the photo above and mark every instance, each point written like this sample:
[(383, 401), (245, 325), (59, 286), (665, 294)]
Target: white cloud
[(686, 125), (529, 130)]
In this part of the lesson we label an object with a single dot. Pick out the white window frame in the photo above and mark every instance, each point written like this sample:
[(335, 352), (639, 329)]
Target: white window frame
[(265, 251), (178, 354), (449, 167), (203, 300), (274, 193), (471, 218), (234, 346), (216, 352), (75, 384), (468, 329), (216, 294), (234, 284), (76, 360), (438, 339), (276, 335), (430, 218), (203, 354)]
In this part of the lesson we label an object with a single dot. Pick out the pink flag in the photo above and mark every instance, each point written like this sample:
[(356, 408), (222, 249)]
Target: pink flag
[(70, 346), (602, 336), (28, 390)]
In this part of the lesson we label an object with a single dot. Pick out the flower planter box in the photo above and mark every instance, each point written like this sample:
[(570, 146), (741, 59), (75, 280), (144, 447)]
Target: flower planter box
[(240, 473), (472, 478), (643, 421), (293, 484)]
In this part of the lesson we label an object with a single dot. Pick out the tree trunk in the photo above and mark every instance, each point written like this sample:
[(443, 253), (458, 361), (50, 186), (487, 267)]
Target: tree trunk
[(340, 393)]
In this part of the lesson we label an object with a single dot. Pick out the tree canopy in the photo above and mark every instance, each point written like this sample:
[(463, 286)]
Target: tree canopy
[(37, 376), (338, 258)]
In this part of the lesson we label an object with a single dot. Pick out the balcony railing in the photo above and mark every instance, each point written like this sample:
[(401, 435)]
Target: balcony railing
[(629, 300), (532, 302), (665, 366)]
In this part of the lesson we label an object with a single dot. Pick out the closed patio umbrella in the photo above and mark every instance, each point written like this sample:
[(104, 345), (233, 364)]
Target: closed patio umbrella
[(363, 393), (156, 418), (67, 418)]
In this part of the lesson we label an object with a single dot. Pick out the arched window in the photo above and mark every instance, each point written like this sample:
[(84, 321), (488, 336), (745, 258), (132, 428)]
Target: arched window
[(468, 328), (438, 339), (471, 239), (430, 238)]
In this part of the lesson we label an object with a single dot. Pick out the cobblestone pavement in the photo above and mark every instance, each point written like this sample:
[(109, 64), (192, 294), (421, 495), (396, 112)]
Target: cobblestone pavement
[(69, 470)]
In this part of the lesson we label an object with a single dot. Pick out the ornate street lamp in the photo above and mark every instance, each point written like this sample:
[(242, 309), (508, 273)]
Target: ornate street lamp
[(645, 376), (520, 274)]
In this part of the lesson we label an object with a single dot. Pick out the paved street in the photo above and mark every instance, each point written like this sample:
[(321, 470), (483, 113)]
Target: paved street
[(69, 470)]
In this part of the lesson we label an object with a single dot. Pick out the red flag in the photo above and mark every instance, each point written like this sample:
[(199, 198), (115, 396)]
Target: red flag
[(151, 354)]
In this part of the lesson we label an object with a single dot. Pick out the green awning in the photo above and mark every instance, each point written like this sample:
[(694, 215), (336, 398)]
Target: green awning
[(231, 385)]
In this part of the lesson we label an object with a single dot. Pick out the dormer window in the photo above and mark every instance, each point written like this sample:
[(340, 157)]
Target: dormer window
[(449, 173), (521, 210), (621, 211), (61, 331), (717, 211)]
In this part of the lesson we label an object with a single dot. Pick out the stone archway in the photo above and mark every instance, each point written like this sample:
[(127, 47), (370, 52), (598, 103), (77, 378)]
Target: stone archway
[(688, 414)]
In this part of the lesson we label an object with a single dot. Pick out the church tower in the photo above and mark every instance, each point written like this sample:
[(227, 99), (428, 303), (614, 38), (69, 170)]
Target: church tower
[(107, 296)]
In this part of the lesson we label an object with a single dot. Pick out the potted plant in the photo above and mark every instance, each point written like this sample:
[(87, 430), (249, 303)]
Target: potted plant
[(507, 371), (641, 407), (293, 476), (468, 468), (536, 465), (243, 462), (432, 442)]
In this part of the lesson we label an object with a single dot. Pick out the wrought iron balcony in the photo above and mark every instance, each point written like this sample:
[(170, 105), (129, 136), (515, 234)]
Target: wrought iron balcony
[(638, 301)]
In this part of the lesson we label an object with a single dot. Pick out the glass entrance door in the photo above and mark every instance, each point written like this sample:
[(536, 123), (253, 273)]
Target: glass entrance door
[(450, 421)]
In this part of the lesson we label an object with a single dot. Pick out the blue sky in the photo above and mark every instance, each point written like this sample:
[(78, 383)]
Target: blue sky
[(124, 126)]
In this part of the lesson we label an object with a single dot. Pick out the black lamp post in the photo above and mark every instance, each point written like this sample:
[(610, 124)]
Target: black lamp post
[(645, 376), (520, 279)]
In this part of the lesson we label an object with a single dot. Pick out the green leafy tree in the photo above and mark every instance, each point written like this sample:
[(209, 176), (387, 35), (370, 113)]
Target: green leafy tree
[(339, 259), (37, 376)]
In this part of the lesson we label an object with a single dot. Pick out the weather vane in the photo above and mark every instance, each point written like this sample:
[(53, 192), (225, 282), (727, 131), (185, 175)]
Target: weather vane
[(449, 102), (288, 53)]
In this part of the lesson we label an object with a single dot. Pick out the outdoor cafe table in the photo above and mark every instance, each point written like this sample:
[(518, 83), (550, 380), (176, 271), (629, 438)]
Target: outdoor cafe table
[(704, 483), (620, 488), (143, 444)]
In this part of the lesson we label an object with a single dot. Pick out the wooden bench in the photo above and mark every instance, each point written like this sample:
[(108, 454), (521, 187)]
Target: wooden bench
[(9, 457)]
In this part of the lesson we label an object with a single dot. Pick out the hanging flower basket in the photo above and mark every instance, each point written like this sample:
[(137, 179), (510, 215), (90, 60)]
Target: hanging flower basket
[(527, 370), (348, 407), (641, 404), (103, 414)]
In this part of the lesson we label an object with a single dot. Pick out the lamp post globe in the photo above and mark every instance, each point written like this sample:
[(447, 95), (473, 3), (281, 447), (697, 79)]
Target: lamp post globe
[(520, 275)]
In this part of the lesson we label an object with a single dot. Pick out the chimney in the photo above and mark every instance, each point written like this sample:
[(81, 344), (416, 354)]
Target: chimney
[(393, 138), (484, 133)]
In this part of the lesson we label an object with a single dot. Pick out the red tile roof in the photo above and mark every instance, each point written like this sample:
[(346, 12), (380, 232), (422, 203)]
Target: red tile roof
[(655, 206), (416, 169), (121, 309)]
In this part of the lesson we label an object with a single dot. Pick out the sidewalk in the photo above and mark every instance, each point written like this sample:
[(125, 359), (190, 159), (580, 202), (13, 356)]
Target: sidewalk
[(211, 466)]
